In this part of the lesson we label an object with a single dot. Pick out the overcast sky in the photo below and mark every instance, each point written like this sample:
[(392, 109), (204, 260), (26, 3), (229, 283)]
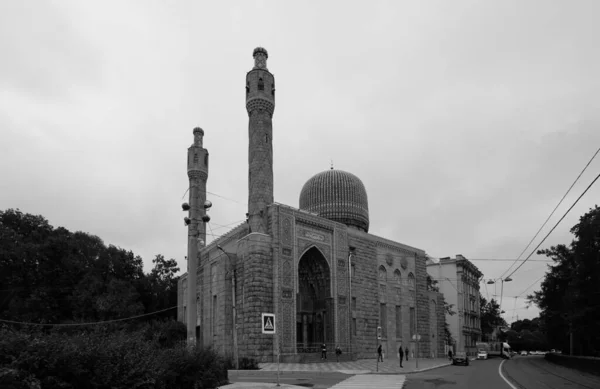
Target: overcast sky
[(466, 120)]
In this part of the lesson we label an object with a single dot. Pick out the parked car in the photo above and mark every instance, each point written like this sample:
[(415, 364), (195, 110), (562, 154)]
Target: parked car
[(524, 353), (482, 354), (460, 358)]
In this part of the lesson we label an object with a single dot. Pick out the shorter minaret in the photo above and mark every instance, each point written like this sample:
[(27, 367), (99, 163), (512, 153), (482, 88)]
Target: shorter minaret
[(197, 170)]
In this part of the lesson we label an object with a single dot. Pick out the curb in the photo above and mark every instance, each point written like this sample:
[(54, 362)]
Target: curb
[(428, 368)]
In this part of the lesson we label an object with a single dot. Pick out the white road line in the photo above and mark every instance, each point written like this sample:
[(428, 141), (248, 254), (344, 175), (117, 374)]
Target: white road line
[(503, 377), (372, 381)]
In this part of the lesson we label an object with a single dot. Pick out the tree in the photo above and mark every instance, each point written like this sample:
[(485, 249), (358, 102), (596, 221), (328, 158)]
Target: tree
[(432, 284), (490, 316), (447, 334), (569, 298), (52, 275)]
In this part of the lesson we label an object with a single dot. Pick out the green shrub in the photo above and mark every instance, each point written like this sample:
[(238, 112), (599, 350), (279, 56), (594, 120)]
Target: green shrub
[(152, 357), (248, 364), (183, 368)]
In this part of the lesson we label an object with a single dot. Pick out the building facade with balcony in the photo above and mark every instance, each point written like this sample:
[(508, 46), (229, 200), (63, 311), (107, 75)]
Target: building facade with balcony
[(458, 280)]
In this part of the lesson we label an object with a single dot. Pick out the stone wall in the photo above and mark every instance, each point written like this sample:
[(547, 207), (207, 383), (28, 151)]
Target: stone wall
[(422, 307), (365, 290), (255, 296)]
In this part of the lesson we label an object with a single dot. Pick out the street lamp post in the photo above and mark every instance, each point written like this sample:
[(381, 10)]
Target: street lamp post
[(502, 280)]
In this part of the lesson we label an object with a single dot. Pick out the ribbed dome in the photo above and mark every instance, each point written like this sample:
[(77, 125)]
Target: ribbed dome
[(337, 195)]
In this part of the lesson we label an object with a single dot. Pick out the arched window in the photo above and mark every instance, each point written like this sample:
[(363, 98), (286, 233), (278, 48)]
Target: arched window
[(195, 157), (206, 160), (411, 281), (247, 87), (397, 276), (261, 84), (382, 274)]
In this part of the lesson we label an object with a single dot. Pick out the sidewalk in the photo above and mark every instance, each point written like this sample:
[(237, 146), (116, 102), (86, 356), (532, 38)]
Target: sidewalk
[(362, 366)]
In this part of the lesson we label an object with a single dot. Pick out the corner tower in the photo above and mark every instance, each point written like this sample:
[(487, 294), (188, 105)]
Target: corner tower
[(260, 104)]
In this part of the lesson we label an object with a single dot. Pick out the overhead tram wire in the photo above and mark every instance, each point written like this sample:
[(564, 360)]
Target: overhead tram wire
[(552, 213), (556, 225), (89, 324)]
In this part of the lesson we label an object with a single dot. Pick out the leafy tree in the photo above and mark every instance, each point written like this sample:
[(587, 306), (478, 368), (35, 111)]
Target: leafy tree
[(490, 316), (432, 284), (448, 309), (52, 275), (569, 298)]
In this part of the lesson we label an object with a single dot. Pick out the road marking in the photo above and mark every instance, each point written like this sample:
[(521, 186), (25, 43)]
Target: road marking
[(372, 381), (503, 377)]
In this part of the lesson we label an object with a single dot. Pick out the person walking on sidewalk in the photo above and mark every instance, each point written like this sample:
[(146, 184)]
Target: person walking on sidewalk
[(379, 354), (401, 355), (406, 351), (323, 351), (450, 354)]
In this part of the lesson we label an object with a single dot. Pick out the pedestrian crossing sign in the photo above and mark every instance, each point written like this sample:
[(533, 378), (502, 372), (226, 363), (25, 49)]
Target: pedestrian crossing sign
[(268, 323)]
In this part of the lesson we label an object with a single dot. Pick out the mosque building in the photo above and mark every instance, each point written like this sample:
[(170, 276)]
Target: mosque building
[(316, 268)]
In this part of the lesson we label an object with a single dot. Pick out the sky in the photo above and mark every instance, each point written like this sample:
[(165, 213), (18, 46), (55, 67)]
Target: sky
[(467, 121)]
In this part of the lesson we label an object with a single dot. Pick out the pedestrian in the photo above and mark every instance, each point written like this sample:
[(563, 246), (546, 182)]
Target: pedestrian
[(338, 352), (406, 351), (450, 354), (401, 355), (323, 351), (379, 354)]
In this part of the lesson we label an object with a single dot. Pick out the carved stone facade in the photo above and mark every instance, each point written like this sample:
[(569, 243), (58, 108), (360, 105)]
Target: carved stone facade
[(326, 279)]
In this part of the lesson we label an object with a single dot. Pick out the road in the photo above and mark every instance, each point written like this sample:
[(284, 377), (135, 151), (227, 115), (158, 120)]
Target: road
[(306, 379), (534, 372), (527, 372), (479, 374)]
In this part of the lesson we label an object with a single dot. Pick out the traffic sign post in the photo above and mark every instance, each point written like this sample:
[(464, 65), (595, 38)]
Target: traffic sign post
[(269, 326), (268, 323), (416, 338)]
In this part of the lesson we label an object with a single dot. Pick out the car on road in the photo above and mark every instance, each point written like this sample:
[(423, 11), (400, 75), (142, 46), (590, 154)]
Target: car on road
[(524, 353), (482, 354), (460, 358)]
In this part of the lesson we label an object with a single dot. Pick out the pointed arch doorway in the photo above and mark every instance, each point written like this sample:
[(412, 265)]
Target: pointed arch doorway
[(314, 307)]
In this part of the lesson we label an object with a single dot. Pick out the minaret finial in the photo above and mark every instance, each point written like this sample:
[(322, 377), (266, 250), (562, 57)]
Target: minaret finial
[(332, 164)]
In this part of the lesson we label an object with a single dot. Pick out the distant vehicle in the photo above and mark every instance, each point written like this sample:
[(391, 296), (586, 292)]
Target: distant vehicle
[(495, 349), (482, 354), (524, 353), (460, 358)]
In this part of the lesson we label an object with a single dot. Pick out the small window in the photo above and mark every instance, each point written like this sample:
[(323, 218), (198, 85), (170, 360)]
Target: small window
[(382, 274), (261, 84), (206, 160), (195, 157), (266, 138), (411, 281), (247, 87)]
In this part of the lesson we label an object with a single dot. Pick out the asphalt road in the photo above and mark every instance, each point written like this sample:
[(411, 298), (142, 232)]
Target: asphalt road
[(481, 374), (306, 379), (534, 372)]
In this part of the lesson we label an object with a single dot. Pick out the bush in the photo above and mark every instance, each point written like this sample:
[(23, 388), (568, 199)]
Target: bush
[(248, 364), (147, 358), (183, 368)]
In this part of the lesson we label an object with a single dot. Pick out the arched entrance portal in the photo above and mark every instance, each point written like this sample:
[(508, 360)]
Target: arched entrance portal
[(314, 304)]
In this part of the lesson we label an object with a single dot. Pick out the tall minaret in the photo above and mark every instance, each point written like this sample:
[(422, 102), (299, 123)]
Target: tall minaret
[(260, 104), (197, 170)]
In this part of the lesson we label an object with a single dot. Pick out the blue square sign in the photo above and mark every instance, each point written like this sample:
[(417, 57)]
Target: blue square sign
[(268, 323)]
